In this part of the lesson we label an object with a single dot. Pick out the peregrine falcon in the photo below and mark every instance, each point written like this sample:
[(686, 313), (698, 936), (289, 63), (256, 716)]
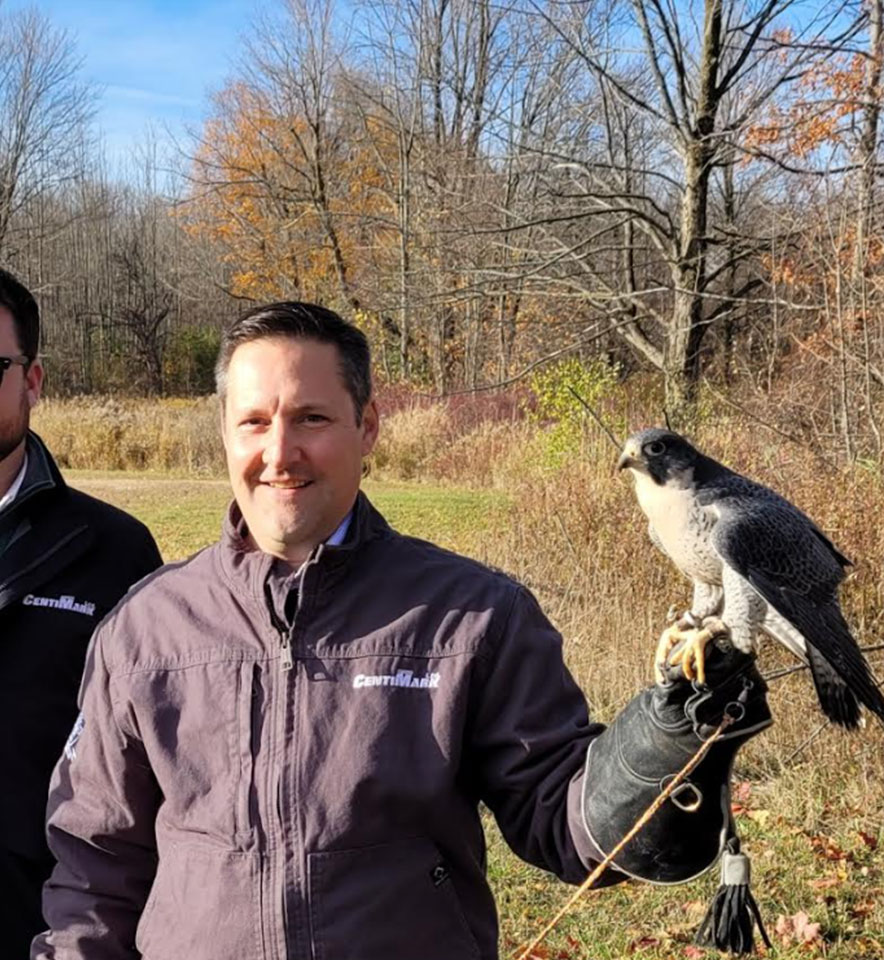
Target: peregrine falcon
[(758, 564)]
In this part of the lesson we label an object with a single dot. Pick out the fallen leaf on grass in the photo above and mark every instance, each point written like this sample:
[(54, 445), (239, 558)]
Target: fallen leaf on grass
[(867, 947), (859, 911), (870, 841), (694, 953), (759, 816), (643, 943), (742, 791), (826, 847), (740, 797), (540, 952), (797, 929), (825, 883), (574, 950)]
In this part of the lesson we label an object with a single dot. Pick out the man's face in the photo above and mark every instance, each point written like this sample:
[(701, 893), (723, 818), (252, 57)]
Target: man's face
[(294, 450), (19, 390)]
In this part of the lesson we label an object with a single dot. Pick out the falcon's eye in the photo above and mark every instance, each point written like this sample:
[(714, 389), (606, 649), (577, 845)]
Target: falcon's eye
[(655, 448)]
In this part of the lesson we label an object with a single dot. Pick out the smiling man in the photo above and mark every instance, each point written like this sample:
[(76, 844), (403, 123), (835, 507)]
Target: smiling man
[(287, 737), (294, 446), (65, 560)]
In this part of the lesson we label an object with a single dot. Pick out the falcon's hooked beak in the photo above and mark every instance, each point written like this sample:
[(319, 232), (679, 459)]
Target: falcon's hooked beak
[(631, 456)]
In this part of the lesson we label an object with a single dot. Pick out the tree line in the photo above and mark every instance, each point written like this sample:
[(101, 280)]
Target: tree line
[(688, 190)]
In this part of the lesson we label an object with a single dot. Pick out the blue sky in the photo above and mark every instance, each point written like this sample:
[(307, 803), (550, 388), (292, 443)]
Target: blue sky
[(155, 61)]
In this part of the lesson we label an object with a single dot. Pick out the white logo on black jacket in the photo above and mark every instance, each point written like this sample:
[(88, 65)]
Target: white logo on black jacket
[(61, 603)]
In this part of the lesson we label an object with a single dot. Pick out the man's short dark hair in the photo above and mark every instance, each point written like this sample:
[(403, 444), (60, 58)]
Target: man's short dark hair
[(302, 321), (17, 299)]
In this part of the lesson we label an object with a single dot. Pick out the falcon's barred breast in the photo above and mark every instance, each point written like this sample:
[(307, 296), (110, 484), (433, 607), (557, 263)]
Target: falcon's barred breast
[(756, 561)]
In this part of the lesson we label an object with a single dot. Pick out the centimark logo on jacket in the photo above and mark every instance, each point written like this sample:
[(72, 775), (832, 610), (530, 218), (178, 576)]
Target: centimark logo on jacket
[(66, 602), (402, 678)]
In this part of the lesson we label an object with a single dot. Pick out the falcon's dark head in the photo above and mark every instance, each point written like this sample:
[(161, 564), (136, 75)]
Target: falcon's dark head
[(660, 454)]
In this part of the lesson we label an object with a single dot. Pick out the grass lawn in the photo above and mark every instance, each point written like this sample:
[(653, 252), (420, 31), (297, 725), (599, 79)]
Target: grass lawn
[(815, 843)]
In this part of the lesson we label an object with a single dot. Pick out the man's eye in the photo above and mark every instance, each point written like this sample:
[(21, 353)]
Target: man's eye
[(315, 418)]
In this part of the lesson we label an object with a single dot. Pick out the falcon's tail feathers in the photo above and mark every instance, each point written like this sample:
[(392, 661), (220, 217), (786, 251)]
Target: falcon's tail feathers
[(840, 671), (837, 700)]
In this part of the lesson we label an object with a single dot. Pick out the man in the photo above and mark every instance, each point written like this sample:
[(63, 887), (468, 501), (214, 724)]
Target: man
[(286, 738), (65, 560)]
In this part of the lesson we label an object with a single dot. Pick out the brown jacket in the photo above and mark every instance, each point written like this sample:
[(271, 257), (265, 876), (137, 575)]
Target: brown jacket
[(222, 804)]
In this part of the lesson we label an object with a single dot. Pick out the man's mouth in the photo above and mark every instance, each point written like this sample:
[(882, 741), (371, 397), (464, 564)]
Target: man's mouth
[(288, 484)]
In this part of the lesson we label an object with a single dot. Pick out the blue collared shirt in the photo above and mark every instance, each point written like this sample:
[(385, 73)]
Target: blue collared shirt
[(337, 538)]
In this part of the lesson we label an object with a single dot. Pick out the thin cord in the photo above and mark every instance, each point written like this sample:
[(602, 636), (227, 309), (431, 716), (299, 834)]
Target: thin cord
[(639, 824)]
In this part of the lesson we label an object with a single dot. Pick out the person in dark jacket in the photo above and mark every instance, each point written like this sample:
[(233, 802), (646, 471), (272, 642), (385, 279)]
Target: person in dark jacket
[(285, 739), (65, 560)]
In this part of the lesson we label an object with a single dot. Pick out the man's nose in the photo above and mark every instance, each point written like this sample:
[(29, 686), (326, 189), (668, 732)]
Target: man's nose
[(282, 447)]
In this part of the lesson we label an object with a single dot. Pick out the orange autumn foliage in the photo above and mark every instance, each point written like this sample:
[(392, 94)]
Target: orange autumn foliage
[(269, 188), (832, 90)]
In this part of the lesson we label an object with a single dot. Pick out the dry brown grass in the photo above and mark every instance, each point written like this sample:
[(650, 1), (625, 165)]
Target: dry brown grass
[(106, 433), (410, 439)]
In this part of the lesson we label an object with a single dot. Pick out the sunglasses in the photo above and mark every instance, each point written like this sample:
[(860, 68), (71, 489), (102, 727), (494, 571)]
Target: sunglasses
[(7, 362)]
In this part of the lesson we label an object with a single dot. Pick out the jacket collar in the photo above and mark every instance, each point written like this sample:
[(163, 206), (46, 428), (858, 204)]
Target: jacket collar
[(248, 568), (41, 477), (43, 528)]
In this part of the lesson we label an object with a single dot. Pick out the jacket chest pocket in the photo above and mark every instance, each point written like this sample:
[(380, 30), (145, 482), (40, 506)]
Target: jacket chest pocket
[(384, 901), (201, 733)]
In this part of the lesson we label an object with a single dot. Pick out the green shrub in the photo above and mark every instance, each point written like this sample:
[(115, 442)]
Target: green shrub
[(555, 404)]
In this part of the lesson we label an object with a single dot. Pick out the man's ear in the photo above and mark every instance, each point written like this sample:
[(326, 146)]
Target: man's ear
[(34, 382), (370, 425)]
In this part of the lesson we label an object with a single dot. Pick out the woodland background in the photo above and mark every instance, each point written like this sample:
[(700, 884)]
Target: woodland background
[(684, 190)]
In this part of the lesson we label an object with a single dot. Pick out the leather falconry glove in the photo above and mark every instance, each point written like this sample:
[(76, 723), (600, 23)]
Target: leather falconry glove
[(647, 744)]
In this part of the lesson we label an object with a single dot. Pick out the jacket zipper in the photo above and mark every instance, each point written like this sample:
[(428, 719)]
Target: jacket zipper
[(287, 660), (287, 663), (31, 491)]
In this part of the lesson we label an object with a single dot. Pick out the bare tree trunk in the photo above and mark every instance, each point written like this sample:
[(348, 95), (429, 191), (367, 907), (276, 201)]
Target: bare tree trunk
[(682, 352), (868, 143)]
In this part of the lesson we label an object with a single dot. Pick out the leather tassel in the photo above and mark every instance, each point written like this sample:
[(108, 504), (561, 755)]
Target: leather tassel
[(730, 922)]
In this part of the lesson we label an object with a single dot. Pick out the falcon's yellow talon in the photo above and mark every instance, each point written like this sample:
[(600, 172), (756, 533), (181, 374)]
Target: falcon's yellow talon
[(670, 638), (687, 663), (693, 655)]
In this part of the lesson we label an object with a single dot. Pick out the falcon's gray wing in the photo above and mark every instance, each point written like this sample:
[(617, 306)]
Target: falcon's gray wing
[(797, 570)]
